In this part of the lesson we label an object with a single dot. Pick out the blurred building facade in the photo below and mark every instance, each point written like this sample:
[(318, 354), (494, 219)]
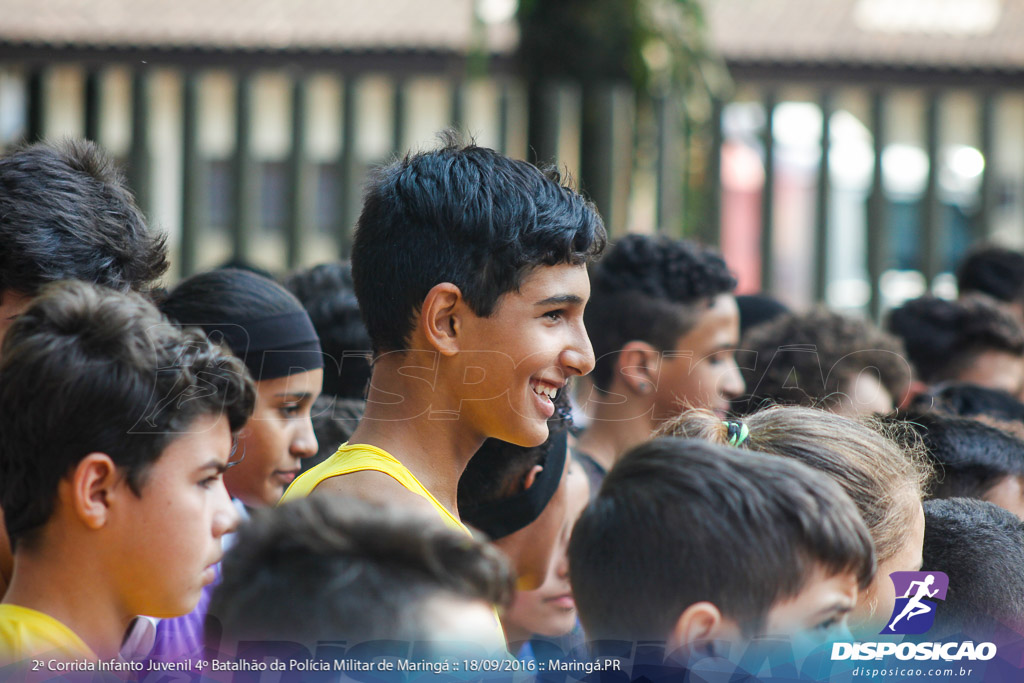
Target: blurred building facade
[(867, 142), (247, 127)]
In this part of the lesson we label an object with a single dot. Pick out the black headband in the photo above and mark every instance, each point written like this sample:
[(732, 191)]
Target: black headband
[(503, 517), (272, 347)]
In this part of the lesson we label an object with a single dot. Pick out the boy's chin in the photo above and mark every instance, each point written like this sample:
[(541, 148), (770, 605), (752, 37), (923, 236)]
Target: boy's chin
[(526, 435), (530, 434)]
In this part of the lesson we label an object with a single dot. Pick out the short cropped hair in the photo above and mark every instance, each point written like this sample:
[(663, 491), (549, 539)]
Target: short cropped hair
[(970, 400), (810, 359), (992, 270), (880, 475), (679, 521), (86, 369), (66, 213), (326, 568), (466, 215), (944, 337), (980, 546), (970, 457), (327, 293), (758, 309), (652, 289)]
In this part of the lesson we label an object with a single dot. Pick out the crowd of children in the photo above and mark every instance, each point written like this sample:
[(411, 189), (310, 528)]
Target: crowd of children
[(494, 436)]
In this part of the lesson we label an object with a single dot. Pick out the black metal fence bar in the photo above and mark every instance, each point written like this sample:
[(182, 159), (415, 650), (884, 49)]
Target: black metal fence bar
[(93, 105), (348, 198), (35, 114), (987, 192), (823, 191), (300, 196), (139, 155), (932, 231), (244, 181), (768, 195), (877, 218), (192, 185)]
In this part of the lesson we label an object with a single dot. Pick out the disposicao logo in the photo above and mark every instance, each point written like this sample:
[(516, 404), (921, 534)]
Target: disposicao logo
[(914, 612)]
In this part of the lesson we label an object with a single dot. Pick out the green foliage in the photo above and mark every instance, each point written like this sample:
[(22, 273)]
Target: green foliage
[(658, 45), (583, 40)]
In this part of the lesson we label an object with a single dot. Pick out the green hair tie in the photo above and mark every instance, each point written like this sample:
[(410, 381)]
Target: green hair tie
[(738, 432)]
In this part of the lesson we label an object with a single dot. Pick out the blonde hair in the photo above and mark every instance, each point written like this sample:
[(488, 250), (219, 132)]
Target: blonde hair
[(864, 457)]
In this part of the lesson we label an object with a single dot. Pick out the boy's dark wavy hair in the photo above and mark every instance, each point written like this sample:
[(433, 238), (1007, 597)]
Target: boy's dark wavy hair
[(89, 370), (653, 289), (66, 213), (980, 546), (342, 568), (812, 358), (467, 215), (992, 270), (943, 337), (971, 457)]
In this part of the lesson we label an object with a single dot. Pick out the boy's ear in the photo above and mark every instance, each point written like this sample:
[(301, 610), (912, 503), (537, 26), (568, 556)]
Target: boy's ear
[(531, 477), (91, 483), (440, 317), (638, 367), (701, 621)]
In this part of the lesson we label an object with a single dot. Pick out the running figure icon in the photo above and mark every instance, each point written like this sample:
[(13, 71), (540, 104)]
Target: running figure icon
[(916, 596), (914, 606)]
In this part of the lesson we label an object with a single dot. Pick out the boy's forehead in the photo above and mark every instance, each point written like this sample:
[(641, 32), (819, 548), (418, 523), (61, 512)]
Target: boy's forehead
[(206, 440), (562, 279), (822, 593)]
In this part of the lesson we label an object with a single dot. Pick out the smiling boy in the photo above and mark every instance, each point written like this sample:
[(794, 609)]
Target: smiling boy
[(115, 431), (470, 271)]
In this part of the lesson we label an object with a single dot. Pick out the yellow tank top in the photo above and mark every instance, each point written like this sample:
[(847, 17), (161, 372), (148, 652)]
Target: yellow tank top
[(29, 634), (361, 458)]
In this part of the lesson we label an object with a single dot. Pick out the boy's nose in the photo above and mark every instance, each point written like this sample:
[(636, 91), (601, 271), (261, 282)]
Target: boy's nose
[(580, 355), (731, 383), (226, 518)]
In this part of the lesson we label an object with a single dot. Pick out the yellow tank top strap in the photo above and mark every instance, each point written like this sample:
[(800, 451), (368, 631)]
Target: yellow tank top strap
[(362, 457)]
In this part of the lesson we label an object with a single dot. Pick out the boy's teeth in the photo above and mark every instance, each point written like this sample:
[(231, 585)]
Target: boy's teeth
[(550, 392)]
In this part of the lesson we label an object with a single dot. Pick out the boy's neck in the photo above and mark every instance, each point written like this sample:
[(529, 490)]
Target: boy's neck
[(418, 430), (614, 428), (80, 600)]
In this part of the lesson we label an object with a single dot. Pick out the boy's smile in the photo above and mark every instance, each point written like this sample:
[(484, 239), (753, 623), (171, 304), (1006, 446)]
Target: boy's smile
[(527, 350)]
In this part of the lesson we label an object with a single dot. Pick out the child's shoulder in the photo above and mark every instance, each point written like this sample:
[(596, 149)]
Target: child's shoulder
[(26, 633), (363, 471)]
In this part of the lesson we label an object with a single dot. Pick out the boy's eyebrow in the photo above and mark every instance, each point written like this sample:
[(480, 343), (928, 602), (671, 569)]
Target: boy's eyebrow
[(560, 300), (841, 607), (215, 464), (297, 395)]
